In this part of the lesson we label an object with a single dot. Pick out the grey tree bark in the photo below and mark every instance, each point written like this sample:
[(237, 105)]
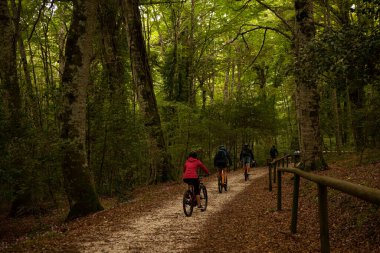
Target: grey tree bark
[(78, 180), (306, 92), (160, 159)]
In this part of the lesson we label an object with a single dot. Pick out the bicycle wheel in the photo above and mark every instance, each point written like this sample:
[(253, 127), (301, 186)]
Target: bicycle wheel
[(204, 198), (220, 186), (225, 185), (187, 203), (245, 174)]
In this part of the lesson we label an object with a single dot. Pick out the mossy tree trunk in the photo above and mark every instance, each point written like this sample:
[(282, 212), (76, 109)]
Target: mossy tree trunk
[(78, 181), (161, 166), (307, 93), (10, 88), (11, 102), (115, 104)]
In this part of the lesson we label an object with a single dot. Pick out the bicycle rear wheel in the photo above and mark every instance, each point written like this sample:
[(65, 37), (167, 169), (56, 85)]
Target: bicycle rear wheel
[(245, 174), (220, 186), (204, 198), (188, 203)]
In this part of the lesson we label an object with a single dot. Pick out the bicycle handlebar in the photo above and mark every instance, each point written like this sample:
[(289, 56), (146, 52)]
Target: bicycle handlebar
[(202, 176)]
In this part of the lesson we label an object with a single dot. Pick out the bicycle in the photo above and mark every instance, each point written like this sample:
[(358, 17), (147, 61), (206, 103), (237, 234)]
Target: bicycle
[(189, 199), (222, 181), (246, 174)]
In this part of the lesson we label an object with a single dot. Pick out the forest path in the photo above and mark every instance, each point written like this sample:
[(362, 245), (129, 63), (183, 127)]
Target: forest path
[(167, 229)]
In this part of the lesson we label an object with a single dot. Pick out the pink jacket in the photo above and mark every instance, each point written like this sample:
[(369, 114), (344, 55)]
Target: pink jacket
[(191, 166)]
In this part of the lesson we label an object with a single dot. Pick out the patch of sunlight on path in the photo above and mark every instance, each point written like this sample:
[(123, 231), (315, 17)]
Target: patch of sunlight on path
[(168, 229)]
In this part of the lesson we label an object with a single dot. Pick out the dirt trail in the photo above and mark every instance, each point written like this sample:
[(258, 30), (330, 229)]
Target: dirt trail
[(167, 229)]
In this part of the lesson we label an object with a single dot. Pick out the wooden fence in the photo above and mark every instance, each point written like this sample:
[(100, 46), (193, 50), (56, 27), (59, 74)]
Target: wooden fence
[(281, 165)]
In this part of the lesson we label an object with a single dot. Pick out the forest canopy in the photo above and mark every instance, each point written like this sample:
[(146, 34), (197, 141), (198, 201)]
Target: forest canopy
[(99, 97)]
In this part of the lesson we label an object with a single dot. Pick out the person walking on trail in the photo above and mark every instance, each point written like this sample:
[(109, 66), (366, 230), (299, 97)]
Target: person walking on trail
[(246, 157), (222, 160), (190, 175), (273, 152)]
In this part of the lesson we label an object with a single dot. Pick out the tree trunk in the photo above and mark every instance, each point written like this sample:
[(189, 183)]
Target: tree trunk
[(114, 74), (8, 69), (357, 96), (11, 102), (192, 90), (338, 136), (161, 160), (77, 178), (306, 92), (227, 82), (31, 102), (239, 75)]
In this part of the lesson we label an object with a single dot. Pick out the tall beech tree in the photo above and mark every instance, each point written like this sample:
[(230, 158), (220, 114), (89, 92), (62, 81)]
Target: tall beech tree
[(78, 181), (306, 92), (160, 159)]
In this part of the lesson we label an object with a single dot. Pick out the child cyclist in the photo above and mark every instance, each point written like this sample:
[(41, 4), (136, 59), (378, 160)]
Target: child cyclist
[(190, 175)]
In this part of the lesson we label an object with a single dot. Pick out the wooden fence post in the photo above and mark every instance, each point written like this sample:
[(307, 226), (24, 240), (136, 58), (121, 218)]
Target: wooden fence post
[(270, 177), (279, 200), (293, 226), (323, 218), (275, 172)]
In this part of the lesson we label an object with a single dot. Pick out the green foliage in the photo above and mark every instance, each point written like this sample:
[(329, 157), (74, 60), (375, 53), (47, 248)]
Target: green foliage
[(37, 177)]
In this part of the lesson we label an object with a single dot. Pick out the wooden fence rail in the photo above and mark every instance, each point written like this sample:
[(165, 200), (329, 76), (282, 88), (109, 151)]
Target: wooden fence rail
[(368, 194)]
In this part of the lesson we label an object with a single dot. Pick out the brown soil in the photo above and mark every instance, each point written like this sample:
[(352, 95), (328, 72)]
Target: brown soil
[(244, 219)]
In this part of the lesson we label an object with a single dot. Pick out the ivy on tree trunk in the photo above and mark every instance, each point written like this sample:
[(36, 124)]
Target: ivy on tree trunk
[(307, 93)]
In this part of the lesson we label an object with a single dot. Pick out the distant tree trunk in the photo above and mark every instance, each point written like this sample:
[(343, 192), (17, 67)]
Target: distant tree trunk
[(261, 72), (31, 101), (78, 181), (11, 99), (344, 9), (232, 86), (357, 96), (338, 136), (239, 73), (211, 87), (204, 93), (307, 93), (226, 82), (161, 160), (192, 91), (113, 60)]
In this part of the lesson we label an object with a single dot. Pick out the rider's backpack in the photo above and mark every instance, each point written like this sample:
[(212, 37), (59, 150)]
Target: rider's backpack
[(245, 152), (221, 156)]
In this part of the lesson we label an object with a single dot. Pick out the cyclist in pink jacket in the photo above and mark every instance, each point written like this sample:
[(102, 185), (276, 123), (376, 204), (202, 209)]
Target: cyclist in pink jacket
[(190, 175)]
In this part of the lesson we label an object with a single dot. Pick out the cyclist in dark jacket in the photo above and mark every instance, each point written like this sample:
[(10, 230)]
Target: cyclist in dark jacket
[(273, 152), (246, 157), (222, 160)]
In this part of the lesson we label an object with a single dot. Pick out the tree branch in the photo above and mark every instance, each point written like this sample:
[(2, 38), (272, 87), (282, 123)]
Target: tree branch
[(261, 49), (257, 27), (277, 15), (150, 2), (38, 19)]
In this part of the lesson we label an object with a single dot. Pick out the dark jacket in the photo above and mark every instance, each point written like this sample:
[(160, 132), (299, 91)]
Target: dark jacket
[(222, 158), (246, 152), (273, 152)]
